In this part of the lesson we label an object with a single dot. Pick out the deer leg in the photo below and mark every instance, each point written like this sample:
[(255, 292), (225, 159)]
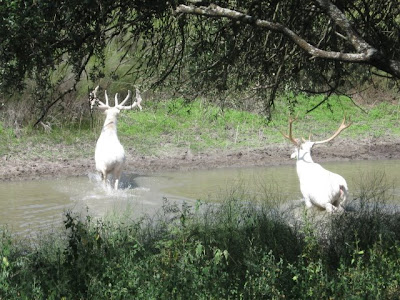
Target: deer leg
[(330, 208), (343, 194), (116, 183), (117, 175), (308, 202), (104, 177)]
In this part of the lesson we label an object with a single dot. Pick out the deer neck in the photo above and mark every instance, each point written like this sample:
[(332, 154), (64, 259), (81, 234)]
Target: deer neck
[(304, 166), (304, 158), (110, 124)]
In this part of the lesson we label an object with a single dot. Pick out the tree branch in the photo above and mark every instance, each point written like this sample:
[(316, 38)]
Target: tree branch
[(51, 104), (341, 20), (217, 11), (365, 52)]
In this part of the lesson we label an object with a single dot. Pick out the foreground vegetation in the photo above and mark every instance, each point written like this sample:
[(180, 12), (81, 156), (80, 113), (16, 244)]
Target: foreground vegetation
[(236, 250), (176, 125)]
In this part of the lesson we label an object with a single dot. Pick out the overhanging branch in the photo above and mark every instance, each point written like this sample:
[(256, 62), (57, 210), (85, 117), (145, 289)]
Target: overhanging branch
[(365, 53), (341, 20), (217, 11)]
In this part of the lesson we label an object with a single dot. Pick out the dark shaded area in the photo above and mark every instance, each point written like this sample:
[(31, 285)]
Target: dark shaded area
[(234, 62)]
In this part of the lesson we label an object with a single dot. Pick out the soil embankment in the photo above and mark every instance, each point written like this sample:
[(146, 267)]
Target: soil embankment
[(17, 168)]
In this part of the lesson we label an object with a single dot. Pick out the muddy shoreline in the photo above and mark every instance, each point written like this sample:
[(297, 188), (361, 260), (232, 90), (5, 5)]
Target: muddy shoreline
[(15, 168)]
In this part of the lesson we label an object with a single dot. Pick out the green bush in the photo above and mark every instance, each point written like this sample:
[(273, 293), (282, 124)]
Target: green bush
[(230, 250)]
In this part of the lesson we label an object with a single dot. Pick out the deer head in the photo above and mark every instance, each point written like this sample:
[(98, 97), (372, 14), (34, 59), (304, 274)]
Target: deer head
[(303, 148)]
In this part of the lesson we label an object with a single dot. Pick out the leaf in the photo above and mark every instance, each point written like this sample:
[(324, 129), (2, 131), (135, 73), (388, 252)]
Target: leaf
[(5, 261)]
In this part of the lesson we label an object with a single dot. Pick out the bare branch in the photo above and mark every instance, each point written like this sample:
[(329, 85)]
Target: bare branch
[(61, 96)]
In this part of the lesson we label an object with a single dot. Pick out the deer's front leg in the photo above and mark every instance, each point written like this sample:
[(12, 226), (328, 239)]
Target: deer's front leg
[(308, 202), (103, 177)]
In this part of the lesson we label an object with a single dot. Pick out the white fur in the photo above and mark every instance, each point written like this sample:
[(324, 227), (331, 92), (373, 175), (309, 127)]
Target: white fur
[(319, 186), (109, 153)]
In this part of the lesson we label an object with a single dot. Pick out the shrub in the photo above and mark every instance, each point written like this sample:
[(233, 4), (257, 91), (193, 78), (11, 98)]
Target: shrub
[(230, 250)]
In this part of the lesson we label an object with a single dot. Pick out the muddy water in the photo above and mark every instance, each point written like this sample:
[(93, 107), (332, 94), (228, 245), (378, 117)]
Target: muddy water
[(211, 184), (28, 207)]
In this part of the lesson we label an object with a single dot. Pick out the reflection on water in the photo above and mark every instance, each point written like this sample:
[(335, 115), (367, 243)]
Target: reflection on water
[(29, 206)]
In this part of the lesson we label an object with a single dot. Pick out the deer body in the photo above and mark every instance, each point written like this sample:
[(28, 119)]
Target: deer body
[(109, 153), (318, 186)]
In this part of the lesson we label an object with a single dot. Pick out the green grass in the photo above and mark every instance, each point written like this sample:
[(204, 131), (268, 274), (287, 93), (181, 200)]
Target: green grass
[(236, 250), (60, 143), (375, 121), (177, 124), (174, 126), (181, 125)]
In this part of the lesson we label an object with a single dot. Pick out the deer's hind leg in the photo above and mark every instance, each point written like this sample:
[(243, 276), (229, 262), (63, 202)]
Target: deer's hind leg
[(117, 174), (103, 175)]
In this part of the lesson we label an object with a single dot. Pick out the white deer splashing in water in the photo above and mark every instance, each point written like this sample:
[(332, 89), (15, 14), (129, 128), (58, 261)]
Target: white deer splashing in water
[(319, 186), (109, 153)]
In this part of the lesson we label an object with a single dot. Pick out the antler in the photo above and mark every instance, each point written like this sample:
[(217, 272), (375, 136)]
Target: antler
[(290, 136), (94, 92), (106, 97), (342, 127), (94, 101), (126, 98), (136, 103)]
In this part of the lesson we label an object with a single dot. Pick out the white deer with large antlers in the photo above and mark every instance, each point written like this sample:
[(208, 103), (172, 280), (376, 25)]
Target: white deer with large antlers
[(319, 186), (109, 153)]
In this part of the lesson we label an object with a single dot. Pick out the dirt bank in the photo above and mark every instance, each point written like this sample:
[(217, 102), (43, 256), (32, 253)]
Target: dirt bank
[(17, 168)]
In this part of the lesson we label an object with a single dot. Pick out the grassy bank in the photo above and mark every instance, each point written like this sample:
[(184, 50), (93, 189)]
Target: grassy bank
[(175, 125), (236, 250)]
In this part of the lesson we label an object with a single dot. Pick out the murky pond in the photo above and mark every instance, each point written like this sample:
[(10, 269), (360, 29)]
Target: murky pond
[(31, 206)]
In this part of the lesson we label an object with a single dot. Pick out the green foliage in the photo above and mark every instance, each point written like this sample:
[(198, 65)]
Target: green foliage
[(234, 250), (177, 125), (65, 33), (48, 45), (6, 133), (200, 125), (7, 137), (329, 112)]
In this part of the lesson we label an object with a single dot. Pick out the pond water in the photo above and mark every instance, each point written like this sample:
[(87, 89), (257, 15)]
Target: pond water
[(28, 207)]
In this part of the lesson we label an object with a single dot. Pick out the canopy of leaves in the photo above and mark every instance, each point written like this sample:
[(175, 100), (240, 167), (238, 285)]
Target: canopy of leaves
[(234, 52), (39, 35), (193, 53)]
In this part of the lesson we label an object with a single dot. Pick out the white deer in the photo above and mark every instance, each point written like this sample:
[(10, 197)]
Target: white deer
[(109, 153), (319, 186)]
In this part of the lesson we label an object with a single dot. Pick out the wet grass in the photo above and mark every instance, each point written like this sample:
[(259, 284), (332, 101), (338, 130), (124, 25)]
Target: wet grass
[(236, 250)]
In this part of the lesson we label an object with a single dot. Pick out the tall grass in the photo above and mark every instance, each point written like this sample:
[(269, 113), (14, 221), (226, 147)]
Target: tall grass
[(234, 250)]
